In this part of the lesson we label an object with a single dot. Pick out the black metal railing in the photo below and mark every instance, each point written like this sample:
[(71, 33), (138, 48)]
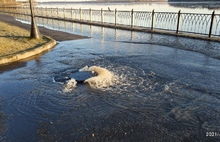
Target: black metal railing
[(207, 25)]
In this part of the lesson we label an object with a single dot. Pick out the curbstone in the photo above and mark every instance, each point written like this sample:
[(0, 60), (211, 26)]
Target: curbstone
[(29, 52)]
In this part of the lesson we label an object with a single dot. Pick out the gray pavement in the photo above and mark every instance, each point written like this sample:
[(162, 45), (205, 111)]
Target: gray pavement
[(57, 35)]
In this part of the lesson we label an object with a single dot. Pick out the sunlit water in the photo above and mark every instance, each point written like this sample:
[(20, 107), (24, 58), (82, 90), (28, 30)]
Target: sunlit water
[(162, 94), (186, 7), (167, 89)]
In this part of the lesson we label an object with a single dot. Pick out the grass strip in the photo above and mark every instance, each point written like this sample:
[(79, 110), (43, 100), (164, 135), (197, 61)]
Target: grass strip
[(14, 40)]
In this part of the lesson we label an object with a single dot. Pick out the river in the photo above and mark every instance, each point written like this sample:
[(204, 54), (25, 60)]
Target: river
[(185, 7), (166, 88)]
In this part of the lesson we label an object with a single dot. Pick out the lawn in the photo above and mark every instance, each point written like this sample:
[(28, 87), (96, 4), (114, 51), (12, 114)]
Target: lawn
[(14, 40)]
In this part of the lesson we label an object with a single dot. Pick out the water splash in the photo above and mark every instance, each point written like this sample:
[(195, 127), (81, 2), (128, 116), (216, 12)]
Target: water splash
[(103, 79), (86, 68), (71, 84)]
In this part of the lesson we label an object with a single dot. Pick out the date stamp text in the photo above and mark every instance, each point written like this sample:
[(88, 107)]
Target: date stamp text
[(213, 134)]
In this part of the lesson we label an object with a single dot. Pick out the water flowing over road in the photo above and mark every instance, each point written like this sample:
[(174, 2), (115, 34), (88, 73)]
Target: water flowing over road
[(166, 88)]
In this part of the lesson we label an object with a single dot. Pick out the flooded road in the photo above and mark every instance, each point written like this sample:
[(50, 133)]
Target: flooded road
[(161, 92)]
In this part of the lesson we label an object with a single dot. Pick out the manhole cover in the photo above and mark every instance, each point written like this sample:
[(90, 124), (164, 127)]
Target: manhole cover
[(78, 76)]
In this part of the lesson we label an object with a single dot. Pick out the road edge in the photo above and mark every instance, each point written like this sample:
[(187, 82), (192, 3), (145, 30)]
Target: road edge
[(29, 52)]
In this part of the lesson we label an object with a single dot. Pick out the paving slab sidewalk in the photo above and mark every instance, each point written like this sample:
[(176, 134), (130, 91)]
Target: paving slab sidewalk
[(52, 34), (57, 35)]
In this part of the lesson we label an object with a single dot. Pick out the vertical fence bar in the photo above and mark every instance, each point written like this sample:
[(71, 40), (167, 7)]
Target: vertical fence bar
[(57, 12), (90, 15), (101, 15), (51, 12), (71, 13), (80, 14), (64, 15), (52, 16), (211, 24), (41, 9), (46, 12), (28, 14), (178, 22), (115, 16), (152, 22), (53, 22), (41, 15), (132, 18)]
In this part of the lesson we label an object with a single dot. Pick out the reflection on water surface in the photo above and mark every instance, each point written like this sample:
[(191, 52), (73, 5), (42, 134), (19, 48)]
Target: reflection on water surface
[(162, 94)]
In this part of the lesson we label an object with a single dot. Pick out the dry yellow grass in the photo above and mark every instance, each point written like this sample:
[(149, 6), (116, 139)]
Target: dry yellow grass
[(14, 40)]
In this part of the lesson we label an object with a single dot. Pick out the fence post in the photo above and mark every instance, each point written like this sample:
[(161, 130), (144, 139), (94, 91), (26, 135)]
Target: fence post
[(115, 16), (71, 13), (64, 16), (80, 14), (101, 15), (152, 22), (90, 15), (46, 12), (132, 18), (27, 17), (41, 11), (178, 22), (51, 15), (58, 21), (57, 12), (51, 12), (41, 14), (211, 24)]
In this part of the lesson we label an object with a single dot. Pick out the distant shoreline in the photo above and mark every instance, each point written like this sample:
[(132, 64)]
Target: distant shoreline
[(98, 2), (131, 1)]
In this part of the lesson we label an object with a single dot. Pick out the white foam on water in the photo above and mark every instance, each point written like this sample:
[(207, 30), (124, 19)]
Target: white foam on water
[(71, 84), (86, 68), (103, 79)]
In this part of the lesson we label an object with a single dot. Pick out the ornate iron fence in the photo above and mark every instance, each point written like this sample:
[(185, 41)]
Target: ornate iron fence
[(165, 20), (109, 16), (216, 25), (142, 19), (185, 23), (195, 23)]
